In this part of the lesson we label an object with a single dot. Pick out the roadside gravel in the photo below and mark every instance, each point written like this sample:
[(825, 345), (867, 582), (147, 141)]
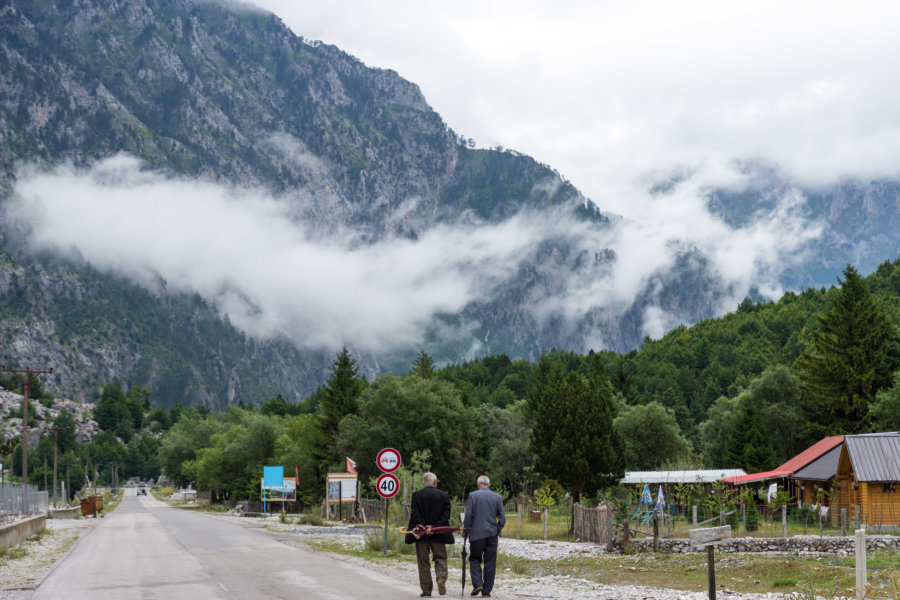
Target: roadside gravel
[(20, 575)]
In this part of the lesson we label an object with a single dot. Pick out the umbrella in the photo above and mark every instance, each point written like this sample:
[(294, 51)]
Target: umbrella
[(660, 499), (646, 498), (464, 566)]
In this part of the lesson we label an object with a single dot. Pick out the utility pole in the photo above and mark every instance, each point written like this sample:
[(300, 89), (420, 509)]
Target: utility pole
[(55, 431), (26, 376)]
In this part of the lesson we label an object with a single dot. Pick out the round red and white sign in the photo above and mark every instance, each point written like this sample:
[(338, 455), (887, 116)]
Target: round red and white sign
[(388, 485), (388, 460)]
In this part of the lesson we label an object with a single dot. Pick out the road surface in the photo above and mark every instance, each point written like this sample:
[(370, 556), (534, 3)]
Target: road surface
[(145, 549)]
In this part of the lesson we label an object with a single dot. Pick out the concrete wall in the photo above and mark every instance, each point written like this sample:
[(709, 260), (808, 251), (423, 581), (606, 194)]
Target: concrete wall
[(17, 532), (65, 513)]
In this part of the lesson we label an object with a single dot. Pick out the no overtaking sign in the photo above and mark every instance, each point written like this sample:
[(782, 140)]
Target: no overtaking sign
[(388, 460)]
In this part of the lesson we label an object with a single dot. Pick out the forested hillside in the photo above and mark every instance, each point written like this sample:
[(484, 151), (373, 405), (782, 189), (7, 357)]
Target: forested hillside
[(743, 391)]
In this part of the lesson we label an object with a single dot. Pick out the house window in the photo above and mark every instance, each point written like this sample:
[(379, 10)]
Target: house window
[(889, 486)]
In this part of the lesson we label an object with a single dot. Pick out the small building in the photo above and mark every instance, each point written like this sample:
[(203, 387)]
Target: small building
[(702, 479), (868, 474), (785, 475)]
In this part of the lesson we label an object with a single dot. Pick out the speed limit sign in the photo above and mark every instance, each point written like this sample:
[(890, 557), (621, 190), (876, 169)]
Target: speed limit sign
[(388, 485), (388, 460)]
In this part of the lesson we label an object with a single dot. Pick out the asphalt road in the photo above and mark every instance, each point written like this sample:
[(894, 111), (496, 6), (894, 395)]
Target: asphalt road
[(146, 549)]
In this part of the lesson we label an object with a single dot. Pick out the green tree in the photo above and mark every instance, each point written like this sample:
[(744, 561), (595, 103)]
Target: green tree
[(112, 412), (779, 395), (231, 465), (573, 437), (511, 460), (182, 442), (884, 413), (850, 358), (341, 393), (651, 436), (274, 407), (747, 445), (414, 414), (423, 366), (297, 449)]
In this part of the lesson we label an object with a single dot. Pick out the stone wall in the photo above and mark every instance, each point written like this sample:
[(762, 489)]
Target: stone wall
[(803, 544)]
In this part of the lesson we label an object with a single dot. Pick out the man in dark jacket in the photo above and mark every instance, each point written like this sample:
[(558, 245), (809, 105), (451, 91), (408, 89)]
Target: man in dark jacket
[(484, 520), (430, 507)]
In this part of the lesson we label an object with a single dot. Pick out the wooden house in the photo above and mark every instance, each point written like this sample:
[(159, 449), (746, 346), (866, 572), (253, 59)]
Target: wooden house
[(868, 477)]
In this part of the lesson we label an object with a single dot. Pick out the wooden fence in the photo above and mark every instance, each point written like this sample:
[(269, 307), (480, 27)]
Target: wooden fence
[(593, 524)]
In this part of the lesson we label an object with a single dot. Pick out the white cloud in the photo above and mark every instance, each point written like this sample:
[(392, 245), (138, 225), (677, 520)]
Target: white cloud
[(273, 274)]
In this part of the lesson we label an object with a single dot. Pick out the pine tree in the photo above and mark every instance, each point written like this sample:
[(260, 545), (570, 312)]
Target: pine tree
[(747, 445), (573, 437), (341, 393), (423, 366), (851, 357)]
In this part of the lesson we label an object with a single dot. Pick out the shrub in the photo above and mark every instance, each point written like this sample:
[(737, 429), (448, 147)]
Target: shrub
[(374, 540), (752, 517), (310, 518)]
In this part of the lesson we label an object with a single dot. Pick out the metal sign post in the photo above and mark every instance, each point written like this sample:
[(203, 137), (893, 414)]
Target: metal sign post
[(388, 485), (388, 461)]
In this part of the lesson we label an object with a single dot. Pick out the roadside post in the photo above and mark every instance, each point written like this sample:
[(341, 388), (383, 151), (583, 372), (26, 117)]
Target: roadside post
[(388, 461), (709, 538), (860, 563)]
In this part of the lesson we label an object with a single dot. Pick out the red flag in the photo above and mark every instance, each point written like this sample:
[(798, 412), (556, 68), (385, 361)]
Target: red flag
[(351, 465)]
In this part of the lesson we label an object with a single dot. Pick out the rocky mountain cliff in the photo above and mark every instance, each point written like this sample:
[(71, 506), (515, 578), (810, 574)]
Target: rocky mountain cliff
[(225, 93), (11, 426)]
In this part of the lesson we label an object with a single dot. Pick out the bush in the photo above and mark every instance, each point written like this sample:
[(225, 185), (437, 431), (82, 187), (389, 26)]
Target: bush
[(311, 518), (752, 517), (373, 539)]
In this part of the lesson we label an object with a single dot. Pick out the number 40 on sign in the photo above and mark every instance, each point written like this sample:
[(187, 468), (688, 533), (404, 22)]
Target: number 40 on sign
[(388, 485)]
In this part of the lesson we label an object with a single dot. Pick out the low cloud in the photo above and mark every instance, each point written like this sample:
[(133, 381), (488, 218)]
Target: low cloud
[(246, 252)]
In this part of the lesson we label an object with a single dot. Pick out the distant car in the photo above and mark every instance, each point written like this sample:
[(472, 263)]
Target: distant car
[(142, 492)]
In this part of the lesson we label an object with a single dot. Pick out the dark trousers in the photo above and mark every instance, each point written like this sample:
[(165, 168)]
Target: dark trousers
[(483, 551), (437, 549)]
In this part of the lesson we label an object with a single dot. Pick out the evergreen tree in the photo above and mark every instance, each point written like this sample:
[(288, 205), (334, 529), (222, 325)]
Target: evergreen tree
[(573, 437), (341, 394), (423, 366), (850, 359), (747, 445)]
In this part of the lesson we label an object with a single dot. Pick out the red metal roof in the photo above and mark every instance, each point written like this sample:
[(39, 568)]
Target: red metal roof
[(794, 464)]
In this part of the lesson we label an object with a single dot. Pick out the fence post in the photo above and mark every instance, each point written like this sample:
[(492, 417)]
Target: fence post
[(519, 519), (546, 522), (843, 522), (655, 532), (860, 563), (784, 521), (694, 515)]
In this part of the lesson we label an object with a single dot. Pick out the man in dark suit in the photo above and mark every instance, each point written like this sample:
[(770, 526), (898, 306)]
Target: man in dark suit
[(484, 520), (430, 507)]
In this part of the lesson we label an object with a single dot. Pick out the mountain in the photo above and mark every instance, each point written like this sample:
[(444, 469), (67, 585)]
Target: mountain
[(225, 94)]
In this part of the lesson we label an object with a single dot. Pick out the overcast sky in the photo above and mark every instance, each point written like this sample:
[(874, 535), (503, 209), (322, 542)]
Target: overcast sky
[(608, 93)]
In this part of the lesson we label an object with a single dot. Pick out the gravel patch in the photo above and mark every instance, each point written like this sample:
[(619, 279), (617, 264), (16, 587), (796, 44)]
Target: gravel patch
[(19, 575)]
